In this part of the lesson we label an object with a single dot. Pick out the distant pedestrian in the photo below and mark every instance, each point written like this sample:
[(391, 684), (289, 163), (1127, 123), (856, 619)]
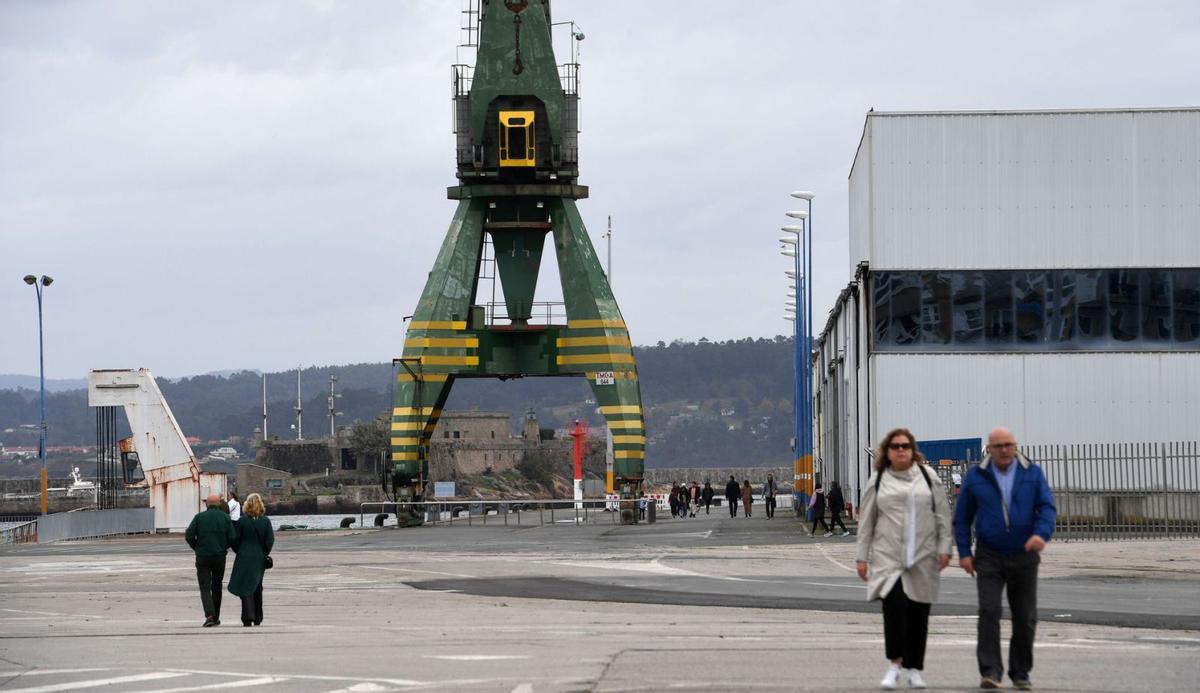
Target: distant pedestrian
[(673, 499), (235, 508), (903, 546), (707, 494), (732, 494), (695, 498), (642, 506), (816, 509), (747, 497), (769, 489), (1012, 512), (685, 501), (210, 534), (254, 543), (837, 503)]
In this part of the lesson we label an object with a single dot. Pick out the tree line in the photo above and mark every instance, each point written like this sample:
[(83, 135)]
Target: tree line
[(707, 403)]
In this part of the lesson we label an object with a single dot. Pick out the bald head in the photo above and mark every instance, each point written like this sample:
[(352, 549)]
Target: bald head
[(1002, 446), (214, 500)]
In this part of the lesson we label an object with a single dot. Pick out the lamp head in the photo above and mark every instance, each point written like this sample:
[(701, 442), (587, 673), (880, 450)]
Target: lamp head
[(803, 195), (30, 279), (791, 228), (798, 214), (47, 281)]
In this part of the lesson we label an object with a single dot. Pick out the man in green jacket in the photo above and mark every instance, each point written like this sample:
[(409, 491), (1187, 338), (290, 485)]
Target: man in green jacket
[(210, 535)]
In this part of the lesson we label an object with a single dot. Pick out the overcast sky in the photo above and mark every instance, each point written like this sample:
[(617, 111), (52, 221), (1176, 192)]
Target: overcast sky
[(220, 185)]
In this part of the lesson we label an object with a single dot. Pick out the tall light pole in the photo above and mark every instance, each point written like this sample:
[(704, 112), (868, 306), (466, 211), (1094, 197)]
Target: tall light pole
[(804, 471), (37, 287), (796, 307), (299, 407), (333, 412)]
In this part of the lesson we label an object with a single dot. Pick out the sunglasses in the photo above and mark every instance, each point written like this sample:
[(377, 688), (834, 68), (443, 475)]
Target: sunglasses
[(900, 446)]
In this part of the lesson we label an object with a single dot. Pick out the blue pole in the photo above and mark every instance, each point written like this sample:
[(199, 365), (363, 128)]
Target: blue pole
[(42, 391), (809, 334)]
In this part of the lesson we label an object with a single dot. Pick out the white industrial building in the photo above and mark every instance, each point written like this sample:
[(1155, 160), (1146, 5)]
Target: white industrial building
[(1033, 269)]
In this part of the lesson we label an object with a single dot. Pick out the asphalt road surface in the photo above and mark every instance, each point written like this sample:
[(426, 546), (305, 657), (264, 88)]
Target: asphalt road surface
[(705, 603)]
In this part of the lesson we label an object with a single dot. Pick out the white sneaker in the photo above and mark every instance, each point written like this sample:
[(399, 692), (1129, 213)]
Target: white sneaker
[(915, 680), (891, 678)]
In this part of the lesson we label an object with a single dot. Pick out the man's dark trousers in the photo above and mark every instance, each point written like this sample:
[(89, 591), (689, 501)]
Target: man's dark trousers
[(210, 571), (732, 506), (995, 572), (770, 506)]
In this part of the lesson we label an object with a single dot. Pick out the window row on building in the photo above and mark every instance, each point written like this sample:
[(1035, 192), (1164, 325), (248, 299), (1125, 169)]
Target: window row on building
[(1037, 310)]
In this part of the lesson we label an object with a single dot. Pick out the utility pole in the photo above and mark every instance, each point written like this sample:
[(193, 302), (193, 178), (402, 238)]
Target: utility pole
[(264, 425), (608, 236), (299, 408), (333, 413)]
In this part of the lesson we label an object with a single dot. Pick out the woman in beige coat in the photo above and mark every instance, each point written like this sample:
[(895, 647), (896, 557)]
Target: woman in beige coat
[(904, 539)]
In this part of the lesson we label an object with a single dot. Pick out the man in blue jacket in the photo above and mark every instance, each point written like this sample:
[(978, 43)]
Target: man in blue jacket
[(1008, 503)]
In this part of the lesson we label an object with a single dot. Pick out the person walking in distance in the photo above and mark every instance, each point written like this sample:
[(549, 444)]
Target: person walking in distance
[(673, 499), (837, 503), (816, 505), (210, 534), (747, 497), (768, 494), (253, 547), (707, 494), (695, 498), (685, 500), (1008, 503), (904, 539), (732, 494), (235, 508)]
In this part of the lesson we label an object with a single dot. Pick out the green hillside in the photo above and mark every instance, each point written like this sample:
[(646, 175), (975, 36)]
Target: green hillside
[(707, 403)]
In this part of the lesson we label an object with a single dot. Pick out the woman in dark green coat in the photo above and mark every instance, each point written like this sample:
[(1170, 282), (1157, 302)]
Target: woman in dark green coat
[(254, 541)]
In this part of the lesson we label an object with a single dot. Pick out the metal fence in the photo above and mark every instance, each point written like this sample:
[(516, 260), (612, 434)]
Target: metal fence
[(18, 529), (1123, 491), (87, 524), (503, 512)]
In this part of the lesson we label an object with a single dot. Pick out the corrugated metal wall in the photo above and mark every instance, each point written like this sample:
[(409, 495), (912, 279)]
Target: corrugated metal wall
[(1038, 190), (1078, 398)]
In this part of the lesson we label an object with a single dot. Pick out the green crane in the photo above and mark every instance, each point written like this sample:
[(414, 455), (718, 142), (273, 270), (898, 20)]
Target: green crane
[(516, 125)]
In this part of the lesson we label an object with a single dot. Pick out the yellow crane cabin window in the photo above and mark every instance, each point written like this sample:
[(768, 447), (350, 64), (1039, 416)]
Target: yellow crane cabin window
[(516, 139)]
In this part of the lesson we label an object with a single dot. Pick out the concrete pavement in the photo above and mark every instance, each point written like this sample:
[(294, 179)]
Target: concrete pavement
[(706, 603)]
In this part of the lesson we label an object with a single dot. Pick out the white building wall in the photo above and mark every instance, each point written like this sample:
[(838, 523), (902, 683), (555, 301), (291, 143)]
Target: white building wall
[(1043, 398), (1031, 189)]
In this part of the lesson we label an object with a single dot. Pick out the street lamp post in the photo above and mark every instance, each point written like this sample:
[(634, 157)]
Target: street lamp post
[(37, 287), (333, 412), (804, 469)]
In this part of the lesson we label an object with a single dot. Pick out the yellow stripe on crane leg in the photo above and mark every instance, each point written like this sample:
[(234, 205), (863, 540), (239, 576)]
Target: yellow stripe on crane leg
[(622, 340), (442, 342), (629, 439), (621, 409), (594, 324), (412, 411), (625, 424), (572, 359), (438, 325), (629, 454)]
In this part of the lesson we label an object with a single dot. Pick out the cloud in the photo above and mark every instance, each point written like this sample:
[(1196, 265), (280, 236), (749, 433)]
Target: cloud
[(255, 185)]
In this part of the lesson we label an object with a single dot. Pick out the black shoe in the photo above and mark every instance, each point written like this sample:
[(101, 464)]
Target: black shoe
[(210, 622), (1023, 684), (258, 622)]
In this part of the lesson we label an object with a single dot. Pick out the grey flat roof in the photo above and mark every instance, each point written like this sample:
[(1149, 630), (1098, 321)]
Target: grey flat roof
[(1047, 111)]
